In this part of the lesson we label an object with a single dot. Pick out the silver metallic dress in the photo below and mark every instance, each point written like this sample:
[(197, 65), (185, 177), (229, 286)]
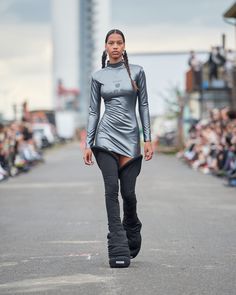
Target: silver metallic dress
[(118, 129)]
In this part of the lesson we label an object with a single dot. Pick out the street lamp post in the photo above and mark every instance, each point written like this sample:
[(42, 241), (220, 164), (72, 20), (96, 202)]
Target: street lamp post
[(231, 14)]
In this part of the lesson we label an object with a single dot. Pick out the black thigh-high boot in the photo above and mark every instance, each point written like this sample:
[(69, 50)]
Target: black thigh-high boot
[(128, 174), (118, 248)]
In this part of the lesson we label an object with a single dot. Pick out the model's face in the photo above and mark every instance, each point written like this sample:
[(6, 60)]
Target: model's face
[(115, 46)]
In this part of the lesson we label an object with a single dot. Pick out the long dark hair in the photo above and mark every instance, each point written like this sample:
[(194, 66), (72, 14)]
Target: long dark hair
[(125, 56)]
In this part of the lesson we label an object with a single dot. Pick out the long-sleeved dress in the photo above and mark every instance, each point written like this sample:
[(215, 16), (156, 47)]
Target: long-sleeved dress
[(118, 129)]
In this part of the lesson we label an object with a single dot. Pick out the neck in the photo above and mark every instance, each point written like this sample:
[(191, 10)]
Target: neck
[(114, 60)]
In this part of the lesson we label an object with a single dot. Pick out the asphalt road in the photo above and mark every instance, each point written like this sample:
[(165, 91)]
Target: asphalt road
[(53, 231)]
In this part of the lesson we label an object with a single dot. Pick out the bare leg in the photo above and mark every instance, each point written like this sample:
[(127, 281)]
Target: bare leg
[(123, 160)]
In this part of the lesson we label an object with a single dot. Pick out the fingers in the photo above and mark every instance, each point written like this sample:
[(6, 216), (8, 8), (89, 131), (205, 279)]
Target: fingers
[(88, 158), (148, 155)]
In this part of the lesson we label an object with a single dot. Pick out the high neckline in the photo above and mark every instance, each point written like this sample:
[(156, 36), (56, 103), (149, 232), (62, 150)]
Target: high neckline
[(115, 65)]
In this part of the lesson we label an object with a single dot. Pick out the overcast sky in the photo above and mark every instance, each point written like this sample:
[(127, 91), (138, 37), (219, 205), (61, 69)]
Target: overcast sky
[(172, 25), (26, 49), (165, 25)]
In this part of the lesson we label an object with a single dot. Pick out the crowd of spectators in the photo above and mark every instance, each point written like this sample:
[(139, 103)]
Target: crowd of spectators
[(18, 149), (220, 65), (211, 145)]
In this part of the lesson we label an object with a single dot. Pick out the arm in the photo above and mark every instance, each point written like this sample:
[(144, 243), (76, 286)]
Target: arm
[(94, 112), (143, 105)]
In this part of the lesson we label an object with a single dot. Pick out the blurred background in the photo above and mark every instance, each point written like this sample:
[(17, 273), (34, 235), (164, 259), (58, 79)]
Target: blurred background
[(49, 49)]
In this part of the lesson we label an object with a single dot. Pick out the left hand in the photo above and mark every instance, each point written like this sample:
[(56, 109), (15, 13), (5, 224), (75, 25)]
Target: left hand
[(148, 151)]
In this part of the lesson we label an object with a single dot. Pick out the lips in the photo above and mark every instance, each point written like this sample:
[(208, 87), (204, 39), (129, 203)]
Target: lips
[(115, 52)]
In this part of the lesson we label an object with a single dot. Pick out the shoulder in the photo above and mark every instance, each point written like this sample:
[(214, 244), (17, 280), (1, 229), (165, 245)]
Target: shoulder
[(136, 67), (96, 74), (137, 71)]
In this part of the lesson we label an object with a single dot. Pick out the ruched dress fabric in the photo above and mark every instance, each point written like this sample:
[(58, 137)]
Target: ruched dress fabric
[(118, 129)]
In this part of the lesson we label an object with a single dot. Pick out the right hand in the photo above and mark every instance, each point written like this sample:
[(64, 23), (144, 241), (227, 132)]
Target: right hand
[(88, 157)]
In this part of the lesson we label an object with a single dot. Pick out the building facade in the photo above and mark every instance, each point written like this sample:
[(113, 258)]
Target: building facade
[(78, 32)]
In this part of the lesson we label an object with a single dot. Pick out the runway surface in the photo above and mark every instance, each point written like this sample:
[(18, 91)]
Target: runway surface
[(53, 229)]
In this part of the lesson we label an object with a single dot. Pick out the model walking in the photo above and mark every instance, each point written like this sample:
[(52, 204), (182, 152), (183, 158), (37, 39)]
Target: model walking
[(115, 143)]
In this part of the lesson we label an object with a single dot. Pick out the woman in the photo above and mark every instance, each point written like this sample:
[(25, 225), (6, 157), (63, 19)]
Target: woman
[(117, 143)]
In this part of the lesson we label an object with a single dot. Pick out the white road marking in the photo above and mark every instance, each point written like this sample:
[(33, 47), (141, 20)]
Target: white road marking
[(48, 283), (74, 242), (77, 223), (65, 256), (209, 266), (44, 185), (163, 250), (5, 264), (168, 265)]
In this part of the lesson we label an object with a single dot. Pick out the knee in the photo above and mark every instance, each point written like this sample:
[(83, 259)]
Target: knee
[(127, 186), (111, 185), (129, 197), (128, 193)]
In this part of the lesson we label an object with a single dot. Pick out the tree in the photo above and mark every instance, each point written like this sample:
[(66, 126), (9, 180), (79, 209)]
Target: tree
[(175, 103)]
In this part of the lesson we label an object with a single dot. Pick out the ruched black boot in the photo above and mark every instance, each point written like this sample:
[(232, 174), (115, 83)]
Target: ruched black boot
[(118, 248), (131, 223)]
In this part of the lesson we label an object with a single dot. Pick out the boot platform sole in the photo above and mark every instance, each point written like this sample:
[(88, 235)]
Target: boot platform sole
[(119, 262), (134, 252)]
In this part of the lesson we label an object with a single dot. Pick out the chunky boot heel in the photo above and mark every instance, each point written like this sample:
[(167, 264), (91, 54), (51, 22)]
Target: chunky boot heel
[(134, 238)]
